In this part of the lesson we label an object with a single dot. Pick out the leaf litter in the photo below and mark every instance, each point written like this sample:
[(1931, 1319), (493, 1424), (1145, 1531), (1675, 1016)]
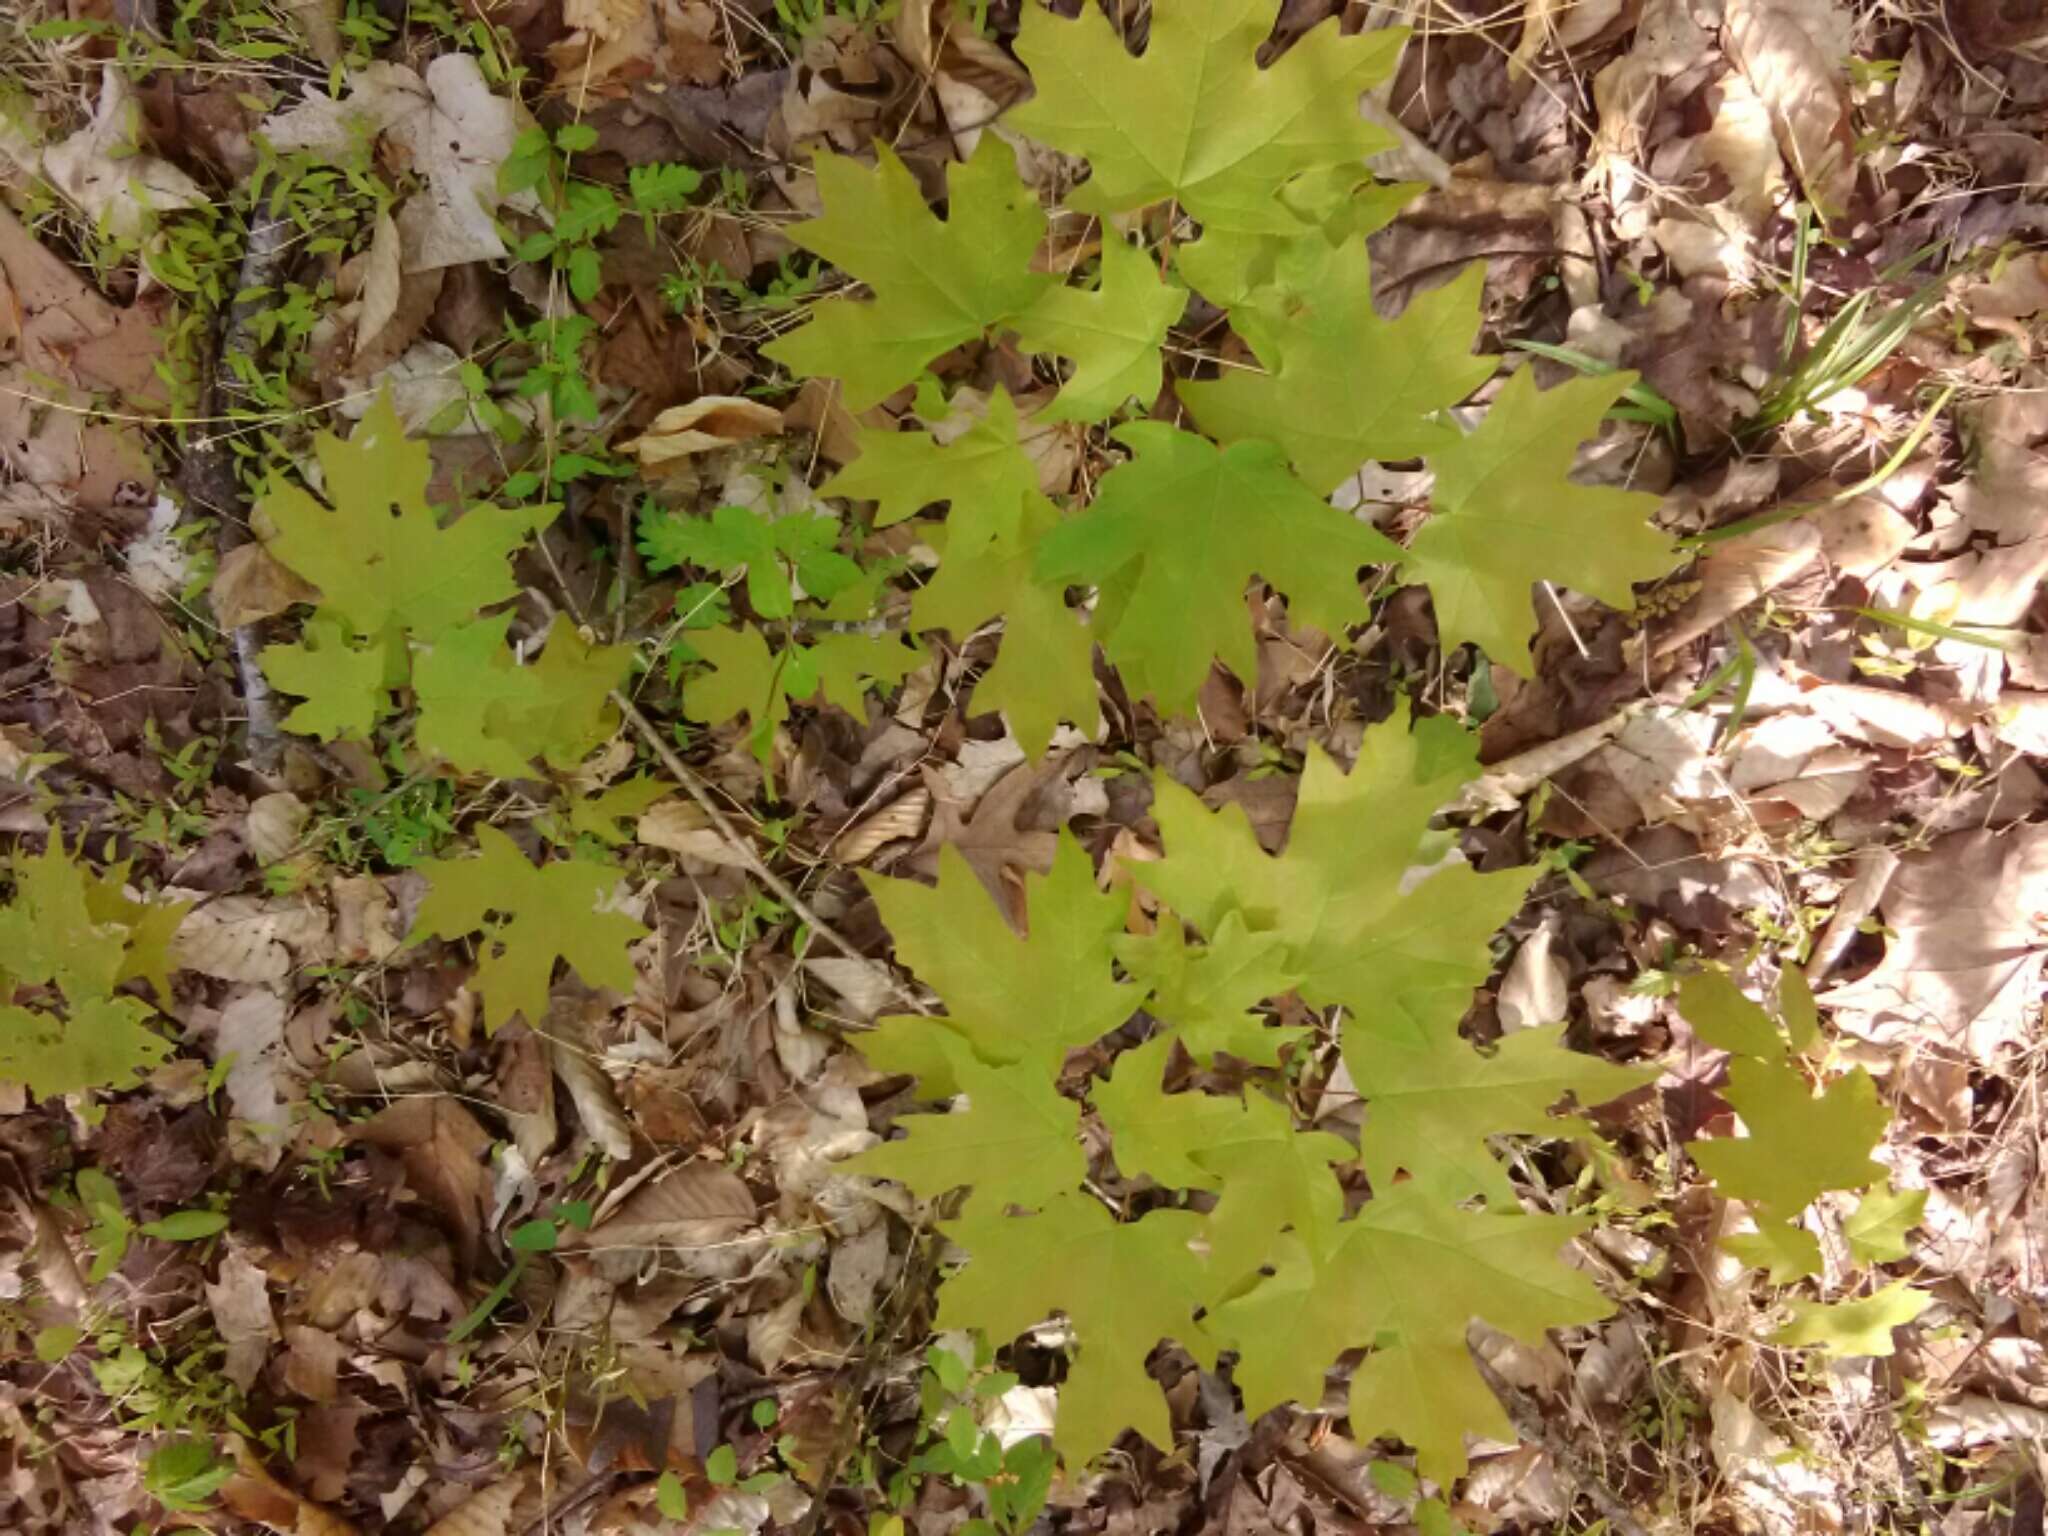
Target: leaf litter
[(339, 1206)]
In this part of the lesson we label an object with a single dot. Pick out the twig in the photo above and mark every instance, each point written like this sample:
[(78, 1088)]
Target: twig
[(210, 481), (695, 787)]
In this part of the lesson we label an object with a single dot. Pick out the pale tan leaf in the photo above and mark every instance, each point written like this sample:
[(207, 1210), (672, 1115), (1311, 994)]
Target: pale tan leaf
[(905, 817), (696, 1205), (273, 825), (708, 422), (483, 1513), (239, 1299), (251, 938), (1735, 574), (250, 584), (1794, 55), (681, 826)]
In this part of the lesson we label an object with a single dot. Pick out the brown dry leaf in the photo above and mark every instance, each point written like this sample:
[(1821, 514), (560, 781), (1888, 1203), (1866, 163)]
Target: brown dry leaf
[(1793, 53), (988, 837), (250, 585), (253, 1494), (248, 1034), (312, 1362), (596, 1100), (681, 826), (100, 169), (251, 938), (320, 22), (524, 1087), (273, 826), (442, 1149), (1733, 575), (699, 1206), (1567, 24), (483, 1513), (1884, 717), (902, 818), (708, 422), (365, 923), (239, 1299), (1964, 957), (396, 303), (614, 46)]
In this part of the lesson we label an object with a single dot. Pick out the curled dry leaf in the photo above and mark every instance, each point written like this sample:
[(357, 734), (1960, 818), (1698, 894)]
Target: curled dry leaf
[(903, 818), (681, 826), (483, 1513), (250, 584), (442, 1150), (99, 170), (239, 1298), (596, 1101), (1794, 53), (273, 825), (1963, 958), (1735, 574), (708, 422), (253, 1494)]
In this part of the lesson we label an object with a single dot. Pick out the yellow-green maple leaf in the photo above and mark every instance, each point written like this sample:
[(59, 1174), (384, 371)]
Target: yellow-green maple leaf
[(1342, 385), (1505, 516), (1123, 1285), (1799, 1145), (529, 917), (1179, 530), (1113, 334), (1014, 998), (1203, 991), (383, 560), (936, 284), (1194, 118), (1360, 931), (1044, 670), (344, 688), (1016, 1143), (983, 473), (1854, 1329), (1410, 1272)]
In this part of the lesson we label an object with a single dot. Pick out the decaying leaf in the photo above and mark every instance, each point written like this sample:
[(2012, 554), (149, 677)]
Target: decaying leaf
[(708, 422)]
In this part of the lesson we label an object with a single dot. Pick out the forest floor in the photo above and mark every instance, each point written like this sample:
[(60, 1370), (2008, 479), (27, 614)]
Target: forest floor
[(346, 1260)]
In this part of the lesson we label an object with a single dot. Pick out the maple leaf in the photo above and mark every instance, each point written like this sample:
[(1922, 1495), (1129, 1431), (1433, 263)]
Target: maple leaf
[(738, 538), (1203, 990), (1017, 1142), (1044, 671), (1113, 335), (1187, 525), (151, 927), (345, 687), (380, 557), (1432, 1100), (101, 1042), (1272, 1176), (1342, 385), (936, 284), (49, 933), (1339, 895), (1876, 1230), (1798, 1145), (1123, 1286), (983, 472), (1504, 516), (1853, 1329), (1411, 1272), (1195, 118), (600, 815), (529, 917), (1720, 1015), (484, 713), (1014, 998), (749, 679)]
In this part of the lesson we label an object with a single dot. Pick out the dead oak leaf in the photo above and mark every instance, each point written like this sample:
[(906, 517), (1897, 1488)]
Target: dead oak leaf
[(1966, 945), (442, 1150)]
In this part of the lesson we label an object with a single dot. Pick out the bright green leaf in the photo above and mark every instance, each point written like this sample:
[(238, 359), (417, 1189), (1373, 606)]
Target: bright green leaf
[(1195, 119), (1784, 1252), (1876, 1230), (104, 1043), (1017, 1142), (344, 687), (1044, 671), (1798, 1145), (382, 560), (983, 473), (1432, 1100), (1013, 998), (600, 816), (1203, 990), (1720, 1015), (186, 1226)]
